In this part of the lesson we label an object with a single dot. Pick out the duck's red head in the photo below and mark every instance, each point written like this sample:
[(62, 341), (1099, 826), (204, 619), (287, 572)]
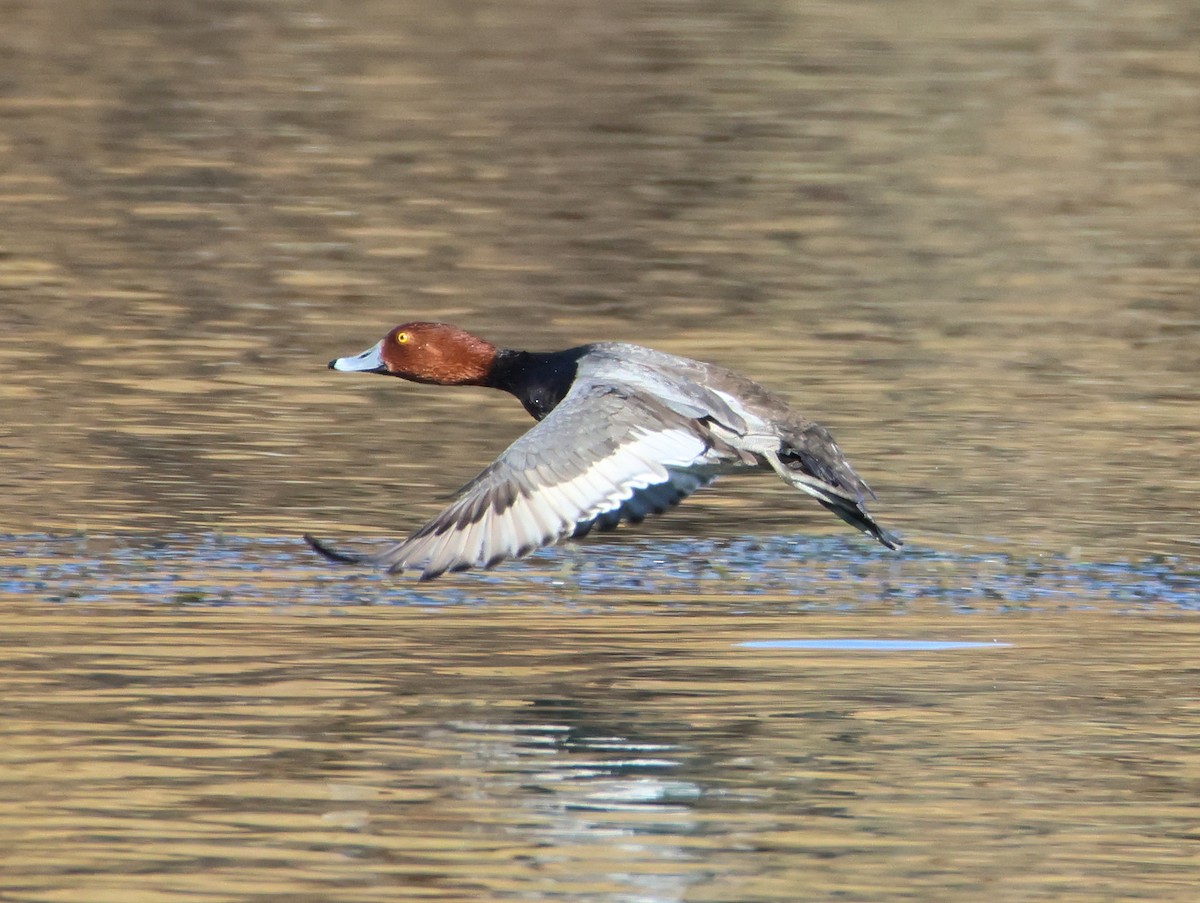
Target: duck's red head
[(426, 353)]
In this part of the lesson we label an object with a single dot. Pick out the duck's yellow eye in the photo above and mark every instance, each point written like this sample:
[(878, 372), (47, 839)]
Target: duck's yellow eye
[(401, 338)]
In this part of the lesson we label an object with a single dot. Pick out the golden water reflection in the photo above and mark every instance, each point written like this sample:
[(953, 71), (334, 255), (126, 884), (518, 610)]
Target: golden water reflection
[(552, 753), (964, 237), (965, 242)]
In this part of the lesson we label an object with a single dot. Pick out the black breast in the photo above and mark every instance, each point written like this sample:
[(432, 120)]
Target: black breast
[(539, 380)]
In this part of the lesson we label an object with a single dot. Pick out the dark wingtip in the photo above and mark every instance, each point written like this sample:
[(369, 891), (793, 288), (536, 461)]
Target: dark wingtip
[(329, 553), (891, 540)]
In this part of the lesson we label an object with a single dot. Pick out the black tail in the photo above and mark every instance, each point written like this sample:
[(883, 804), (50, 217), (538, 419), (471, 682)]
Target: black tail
[(858, 516), (812, 461)]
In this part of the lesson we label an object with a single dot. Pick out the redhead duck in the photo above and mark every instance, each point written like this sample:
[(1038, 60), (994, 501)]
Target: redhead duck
[(623, 431)]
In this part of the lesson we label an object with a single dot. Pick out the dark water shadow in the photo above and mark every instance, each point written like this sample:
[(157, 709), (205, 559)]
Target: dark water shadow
[(830, 573)]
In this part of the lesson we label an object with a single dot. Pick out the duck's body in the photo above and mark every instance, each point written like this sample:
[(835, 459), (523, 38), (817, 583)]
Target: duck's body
[(623, 432)]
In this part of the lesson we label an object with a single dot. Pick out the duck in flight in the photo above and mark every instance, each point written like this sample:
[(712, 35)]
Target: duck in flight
[(623, 432)]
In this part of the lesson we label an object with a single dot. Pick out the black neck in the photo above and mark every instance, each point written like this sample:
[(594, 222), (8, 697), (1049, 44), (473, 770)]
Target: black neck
[(539, 380)]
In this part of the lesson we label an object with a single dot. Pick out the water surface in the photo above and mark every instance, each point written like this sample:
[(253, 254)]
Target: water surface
[(617, 752), (965, 238)]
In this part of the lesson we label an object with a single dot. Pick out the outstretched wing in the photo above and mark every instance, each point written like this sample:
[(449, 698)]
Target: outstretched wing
[(602, 455)]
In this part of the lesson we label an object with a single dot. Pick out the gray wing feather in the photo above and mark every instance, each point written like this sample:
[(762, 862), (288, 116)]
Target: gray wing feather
[(601, 456)]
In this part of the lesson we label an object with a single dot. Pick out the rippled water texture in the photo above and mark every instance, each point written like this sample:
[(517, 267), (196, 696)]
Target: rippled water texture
[(964, 236)]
